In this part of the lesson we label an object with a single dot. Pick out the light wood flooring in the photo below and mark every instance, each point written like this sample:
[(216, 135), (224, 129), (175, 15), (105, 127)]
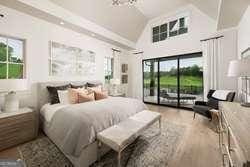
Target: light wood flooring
[(198, 148)]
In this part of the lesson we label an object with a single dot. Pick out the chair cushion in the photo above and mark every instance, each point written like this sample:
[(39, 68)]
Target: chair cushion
[(203, 110), (213, 103)]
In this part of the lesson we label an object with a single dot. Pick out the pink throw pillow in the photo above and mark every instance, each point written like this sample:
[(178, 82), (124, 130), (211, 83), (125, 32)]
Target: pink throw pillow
[(83, 97)]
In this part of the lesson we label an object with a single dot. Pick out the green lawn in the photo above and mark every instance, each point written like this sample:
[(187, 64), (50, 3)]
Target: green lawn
[(188, 84), (184, 81), (15, 71)]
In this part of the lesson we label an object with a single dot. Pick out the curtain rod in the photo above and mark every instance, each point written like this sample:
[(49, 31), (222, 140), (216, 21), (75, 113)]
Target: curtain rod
[(221, 36), (136, 53), (115, 50)]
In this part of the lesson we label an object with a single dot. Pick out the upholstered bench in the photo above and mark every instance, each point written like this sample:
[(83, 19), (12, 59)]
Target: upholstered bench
[(119, 136)]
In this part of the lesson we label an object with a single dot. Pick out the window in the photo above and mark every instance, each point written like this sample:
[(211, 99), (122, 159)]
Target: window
[(160, 33), (171, 29), (11, 58), (108, 68), (173, 81)]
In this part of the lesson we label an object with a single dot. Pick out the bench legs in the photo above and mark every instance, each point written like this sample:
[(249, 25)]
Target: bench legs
[(119, 159), (160, 124)]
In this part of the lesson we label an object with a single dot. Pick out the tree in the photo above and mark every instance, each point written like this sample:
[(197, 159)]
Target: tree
[(3, 51)]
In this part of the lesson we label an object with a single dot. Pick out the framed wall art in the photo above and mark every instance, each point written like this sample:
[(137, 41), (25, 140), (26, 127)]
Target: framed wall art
[(71, 61)]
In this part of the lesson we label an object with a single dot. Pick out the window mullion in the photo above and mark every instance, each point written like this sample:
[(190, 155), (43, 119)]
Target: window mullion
[(7, 58)]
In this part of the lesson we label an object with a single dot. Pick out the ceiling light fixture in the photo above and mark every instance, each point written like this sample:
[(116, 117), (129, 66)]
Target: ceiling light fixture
[(62, 23), (123, 2)]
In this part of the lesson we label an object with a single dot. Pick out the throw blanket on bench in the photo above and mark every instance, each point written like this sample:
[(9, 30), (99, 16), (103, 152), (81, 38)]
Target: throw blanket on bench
[(74, 127)]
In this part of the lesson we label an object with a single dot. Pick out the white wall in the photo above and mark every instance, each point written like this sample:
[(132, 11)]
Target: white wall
[(200, 27), (38, 33), (243, 37)]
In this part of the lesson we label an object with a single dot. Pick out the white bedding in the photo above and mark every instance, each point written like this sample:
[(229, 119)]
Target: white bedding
[(73, 127), (48, 110)]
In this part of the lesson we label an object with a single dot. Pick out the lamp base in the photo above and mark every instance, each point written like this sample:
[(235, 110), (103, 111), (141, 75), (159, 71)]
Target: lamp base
[(11, 102), (245, 104)]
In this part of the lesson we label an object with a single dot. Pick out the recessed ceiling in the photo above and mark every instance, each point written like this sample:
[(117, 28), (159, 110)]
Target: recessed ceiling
[(126, 21)]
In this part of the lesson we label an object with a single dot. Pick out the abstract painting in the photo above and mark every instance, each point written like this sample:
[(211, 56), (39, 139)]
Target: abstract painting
[(71, 61)]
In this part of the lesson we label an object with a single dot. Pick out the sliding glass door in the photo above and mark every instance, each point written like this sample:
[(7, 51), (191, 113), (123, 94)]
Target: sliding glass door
[(173, 81), (168, 81), (191, 80), (150, 81)]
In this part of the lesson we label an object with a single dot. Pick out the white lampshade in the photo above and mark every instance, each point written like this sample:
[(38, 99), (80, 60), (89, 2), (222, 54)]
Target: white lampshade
[(239, 68), (8, 85), (115, 81)]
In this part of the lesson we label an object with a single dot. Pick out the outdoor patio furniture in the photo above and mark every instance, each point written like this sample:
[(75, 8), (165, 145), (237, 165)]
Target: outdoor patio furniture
[(165, 95)]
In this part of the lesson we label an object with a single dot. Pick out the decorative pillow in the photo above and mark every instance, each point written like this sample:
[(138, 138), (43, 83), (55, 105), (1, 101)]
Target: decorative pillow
[(74, 94), (78, 86), (54, 99), (82, 97), (99, 95), (63, 96), (94, 84), (96, 88)]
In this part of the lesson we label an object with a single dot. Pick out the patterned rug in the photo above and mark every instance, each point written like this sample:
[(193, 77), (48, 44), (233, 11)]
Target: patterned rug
[(150, 149)]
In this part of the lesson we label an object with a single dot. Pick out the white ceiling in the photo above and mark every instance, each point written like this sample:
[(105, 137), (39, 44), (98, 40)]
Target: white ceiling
[(126, 21), (129, 21), (231, 12), (154, 8)]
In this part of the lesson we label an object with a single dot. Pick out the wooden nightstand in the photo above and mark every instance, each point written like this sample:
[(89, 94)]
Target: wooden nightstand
[(17, 127)]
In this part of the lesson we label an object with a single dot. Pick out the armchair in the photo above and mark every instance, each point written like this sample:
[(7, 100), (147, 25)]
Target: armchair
[(203, 107)]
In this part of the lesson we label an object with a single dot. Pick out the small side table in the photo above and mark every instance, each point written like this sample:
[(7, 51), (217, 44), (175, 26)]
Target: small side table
[(215, 119), (17, 127)]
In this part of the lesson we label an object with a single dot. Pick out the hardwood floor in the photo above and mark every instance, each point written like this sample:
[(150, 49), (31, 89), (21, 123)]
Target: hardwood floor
[(198, 148)]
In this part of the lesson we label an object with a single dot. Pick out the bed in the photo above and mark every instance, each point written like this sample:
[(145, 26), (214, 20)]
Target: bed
[(73, 128)]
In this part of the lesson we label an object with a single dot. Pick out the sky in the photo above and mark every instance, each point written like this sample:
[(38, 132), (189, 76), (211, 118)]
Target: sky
[(16, 45), (167, 65)]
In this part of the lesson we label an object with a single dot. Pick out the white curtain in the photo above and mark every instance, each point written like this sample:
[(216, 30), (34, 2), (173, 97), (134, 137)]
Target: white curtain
[(117, 64), (212, 54)]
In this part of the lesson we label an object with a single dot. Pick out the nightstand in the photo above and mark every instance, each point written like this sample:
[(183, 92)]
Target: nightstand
[(118, 95), (17, 127)]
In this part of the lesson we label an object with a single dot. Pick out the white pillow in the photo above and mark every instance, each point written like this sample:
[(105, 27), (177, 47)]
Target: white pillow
[(221, 94), (63, 96)]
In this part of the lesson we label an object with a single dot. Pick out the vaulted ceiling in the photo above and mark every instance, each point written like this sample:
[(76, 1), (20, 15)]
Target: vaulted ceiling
[(127, 21), (154, 8), (122, 25)]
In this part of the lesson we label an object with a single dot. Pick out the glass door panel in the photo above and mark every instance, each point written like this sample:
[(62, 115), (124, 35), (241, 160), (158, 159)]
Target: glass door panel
[(191, 80), (168, 82), (150, 81)]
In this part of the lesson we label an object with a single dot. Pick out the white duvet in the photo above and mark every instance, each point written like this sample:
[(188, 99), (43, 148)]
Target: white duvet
[(73, 127)]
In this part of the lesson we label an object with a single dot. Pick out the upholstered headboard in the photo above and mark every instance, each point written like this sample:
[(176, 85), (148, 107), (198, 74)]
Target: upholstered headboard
[(43, 94)]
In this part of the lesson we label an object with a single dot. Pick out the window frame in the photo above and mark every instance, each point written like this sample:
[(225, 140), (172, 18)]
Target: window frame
[(106, 69), (8, 62), (185, 16)]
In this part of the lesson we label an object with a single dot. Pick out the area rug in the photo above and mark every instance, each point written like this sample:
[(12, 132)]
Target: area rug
[(150, 149)]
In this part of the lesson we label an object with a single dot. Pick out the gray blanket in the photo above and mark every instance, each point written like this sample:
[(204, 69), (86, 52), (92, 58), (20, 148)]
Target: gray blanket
[(74, 127)]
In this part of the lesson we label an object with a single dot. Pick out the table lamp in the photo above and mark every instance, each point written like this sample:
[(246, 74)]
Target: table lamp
[(11, 86), (241, 68)]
